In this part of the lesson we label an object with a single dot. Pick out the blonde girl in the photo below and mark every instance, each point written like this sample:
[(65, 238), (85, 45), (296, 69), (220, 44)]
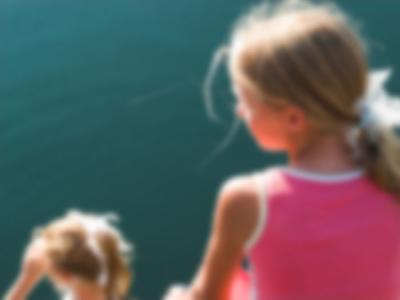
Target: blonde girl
[(327, 225)]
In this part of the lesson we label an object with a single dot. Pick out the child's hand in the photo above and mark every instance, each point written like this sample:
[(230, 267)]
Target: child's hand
[(177, 292), (35, 263)]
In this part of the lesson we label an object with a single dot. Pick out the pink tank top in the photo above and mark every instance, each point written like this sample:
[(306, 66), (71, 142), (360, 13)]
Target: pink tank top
[(326, 238)]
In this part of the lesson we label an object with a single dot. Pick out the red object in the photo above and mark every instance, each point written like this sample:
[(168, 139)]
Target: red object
[(240, 289)]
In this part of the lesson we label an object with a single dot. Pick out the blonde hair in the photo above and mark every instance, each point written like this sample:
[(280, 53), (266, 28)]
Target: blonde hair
[(311, 56), (68, 246)]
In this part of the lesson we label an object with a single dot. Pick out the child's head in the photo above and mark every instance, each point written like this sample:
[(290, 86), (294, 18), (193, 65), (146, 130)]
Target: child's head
[(298, 71), (301, 56), (87, 249)]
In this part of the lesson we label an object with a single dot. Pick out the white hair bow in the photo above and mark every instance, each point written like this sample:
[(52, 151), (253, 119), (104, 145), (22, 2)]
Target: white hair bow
[(378, 108)]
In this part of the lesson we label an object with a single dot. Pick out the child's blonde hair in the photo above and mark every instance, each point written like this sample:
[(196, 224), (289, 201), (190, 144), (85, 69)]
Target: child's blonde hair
[(309, 55), (89, 247)]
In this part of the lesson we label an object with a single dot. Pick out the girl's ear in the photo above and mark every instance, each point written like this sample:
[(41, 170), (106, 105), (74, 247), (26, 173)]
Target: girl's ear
[(295, 118)]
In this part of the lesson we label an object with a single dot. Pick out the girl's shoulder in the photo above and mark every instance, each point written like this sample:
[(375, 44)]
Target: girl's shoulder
[(249, 183), (244, 189), (241, 203), (238, 196)]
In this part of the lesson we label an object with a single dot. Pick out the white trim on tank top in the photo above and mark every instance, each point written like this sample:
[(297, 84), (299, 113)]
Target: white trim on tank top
[(260, 180), (324, 177)]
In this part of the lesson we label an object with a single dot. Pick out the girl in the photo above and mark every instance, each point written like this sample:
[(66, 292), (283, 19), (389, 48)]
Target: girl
[(327, 226), (83, 255)]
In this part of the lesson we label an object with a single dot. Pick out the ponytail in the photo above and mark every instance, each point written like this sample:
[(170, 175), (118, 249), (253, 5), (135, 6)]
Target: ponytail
[(120, 277), (381, 159), (377, 141)]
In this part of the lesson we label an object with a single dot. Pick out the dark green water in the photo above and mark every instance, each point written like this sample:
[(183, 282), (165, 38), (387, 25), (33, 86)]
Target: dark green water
[(100, 109)]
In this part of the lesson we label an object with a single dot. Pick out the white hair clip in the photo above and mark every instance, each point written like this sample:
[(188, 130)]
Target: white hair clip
[(378, 108)]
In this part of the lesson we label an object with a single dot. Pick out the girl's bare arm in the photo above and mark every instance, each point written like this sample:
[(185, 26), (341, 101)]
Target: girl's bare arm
[(235, 220)]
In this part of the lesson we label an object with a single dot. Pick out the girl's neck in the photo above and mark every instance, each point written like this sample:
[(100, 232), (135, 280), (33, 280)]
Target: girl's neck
[(323, 154)]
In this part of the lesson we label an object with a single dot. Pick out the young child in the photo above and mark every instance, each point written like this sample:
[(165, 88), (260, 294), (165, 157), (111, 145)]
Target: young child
[(327, 226), (83, 255)]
